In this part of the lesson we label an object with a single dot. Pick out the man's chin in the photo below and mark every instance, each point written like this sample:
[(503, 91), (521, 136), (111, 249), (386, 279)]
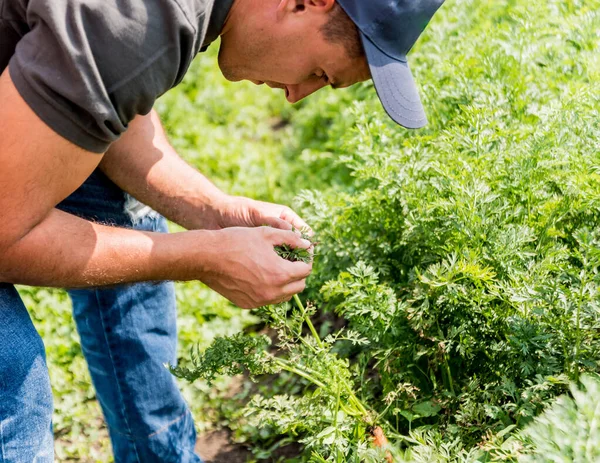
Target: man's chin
[(231, 73), (225, 72)]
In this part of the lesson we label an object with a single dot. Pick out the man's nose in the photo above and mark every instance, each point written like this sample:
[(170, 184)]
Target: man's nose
[(299, 91)]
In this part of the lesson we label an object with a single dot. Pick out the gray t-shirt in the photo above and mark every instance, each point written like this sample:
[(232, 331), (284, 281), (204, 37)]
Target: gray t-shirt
[(88, 67)]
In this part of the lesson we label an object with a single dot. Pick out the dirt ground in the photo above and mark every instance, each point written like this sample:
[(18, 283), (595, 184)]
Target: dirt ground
[(216, 447)]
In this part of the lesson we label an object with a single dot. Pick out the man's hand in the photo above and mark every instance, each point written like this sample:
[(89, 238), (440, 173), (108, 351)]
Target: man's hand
[(243, 266), (235, 211)]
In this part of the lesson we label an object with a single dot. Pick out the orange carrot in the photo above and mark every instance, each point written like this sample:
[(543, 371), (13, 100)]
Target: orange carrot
[(380, 441)]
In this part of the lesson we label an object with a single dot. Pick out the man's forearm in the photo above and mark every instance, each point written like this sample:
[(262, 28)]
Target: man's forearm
[(240, 263), (66, 251), (144, 164)]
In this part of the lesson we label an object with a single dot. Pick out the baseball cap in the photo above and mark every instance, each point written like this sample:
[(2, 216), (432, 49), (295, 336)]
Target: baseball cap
[(389, 29)]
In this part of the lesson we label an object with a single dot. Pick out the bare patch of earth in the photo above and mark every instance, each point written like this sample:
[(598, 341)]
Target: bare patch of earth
[(216, 447)]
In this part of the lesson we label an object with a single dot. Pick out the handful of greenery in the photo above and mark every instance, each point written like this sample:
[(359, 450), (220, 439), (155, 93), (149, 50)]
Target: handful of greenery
[(297, 254), (332, 421)]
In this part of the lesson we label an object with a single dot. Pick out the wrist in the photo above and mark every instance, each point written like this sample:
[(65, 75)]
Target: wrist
[(187, 256), (206, 213), (225, 208)]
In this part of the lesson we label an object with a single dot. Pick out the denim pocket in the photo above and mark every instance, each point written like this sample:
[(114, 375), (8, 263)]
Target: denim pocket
[(100, 200)]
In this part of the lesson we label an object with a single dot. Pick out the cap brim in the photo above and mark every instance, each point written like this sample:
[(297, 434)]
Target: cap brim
[(395, 87)]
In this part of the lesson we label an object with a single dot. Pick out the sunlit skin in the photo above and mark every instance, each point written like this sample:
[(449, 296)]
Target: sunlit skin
[(279, 43)]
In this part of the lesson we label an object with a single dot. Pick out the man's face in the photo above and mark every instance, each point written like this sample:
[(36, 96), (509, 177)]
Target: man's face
[(279, 43)]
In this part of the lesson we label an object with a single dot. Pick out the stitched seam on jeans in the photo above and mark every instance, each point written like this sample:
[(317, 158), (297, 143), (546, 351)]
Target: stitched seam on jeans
[(97, 294), (1, 428), (1, 441)]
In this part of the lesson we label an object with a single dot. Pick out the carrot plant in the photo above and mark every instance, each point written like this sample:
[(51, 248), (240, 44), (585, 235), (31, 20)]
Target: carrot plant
[(467, 253), (463, 259), (331, 419)]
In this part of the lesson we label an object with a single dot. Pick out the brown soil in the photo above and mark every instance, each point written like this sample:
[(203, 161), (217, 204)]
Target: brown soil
[(216, 447)]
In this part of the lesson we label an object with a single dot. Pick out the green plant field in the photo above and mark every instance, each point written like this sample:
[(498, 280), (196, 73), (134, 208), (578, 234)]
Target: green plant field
[(455, 295)]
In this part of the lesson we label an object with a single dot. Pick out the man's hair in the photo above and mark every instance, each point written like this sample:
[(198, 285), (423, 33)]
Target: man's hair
[(340, 29)]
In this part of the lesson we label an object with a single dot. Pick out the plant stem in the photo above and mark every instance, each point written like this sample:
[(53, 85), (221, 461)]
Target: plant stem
[(578, 327), (446, 363), (358, 404), (286, 366), (351, 396), (383, 412), (362, 411), (308, 322), (337, 408), (311, 376), (305, 369), (449, 374), (349, 411), (306, 343)]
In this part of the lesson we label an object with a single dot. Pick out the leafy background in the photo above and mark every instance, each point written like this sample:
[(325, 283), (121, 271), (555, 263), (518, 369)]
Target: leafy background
[(466, 252)]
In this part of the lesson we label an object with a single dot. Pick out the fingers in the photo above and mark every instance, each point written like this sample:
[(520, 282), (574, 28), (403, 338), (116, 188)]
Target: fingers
[(294, 219), (258, 276), (277, 223), (290, 290), (279, 237), (297, 270), (274, 215), (295, 288)]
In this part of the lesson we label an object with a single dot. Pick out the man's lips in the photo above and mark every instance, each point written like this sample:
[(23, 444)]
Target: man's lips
[(278, 85), (274, 85)]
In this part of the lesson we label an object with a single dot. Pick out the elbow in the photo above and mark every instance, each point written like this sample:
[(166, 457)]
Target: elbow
[(5, 260), (9, 259)]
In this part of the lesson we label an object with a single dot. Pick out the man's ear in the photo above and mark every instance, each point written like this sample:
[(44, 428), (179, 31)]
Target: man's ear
[(301, 6), (323, 6)]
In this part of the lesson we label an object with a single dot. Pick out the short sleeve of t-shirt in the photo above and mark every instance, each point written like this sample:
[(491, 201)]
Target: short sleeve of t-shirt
[(88, 67)]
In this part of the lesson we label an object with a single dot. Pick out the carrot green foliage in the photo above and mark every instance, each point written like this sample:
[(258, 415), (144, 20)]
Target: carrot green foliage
[(331, 417), (462, 260), (287, 252), (570, 429)]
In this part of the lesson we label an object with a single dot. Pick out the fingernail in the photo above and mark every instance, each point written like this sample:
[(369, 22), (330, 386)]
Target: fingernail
[(306, 243)]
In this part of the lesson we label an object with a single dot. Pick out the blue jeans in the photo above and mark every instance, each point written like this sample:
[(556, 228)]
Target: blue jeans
[(127, 334)]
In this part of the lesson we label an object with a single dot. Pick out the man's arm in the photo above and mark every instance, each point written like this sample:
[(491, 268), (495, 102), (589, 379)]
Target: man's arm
[(144, 164), (40, 245)]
